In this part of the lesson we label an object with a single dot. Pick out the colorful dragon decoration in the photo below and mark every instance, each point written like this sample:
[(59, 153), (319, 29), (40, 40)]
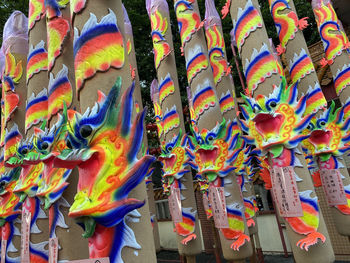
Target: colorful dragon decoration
[(103, 143), (286, 21), (275, 124), (329, 139)]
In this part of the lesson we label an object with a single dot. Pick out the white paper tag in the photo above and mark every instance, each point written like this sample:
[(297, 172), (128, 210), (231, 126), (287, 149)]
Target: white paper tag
[(53, 250), (333, 187), (285, 191), (95, 260), (175, 205), (3, 250), (218, 206), (26, 218)]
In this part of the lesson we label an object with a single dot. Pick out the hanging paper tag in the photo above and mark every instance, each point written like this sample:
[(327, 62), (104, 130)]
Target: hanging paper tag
[(94, 260), (3, 251), (333, 187), (206, 204), (26, 217), (285, 191), (53, 250), (175, 205), (218, 205)]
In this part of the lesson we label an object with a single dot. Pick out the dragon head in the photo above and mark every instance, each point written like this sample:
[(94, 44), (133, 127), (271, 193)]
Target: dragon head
[(329, 133), (277, 119), (48, 143), (31, 175), (103, 143), (9, 202), (213, 150), (174, 158)]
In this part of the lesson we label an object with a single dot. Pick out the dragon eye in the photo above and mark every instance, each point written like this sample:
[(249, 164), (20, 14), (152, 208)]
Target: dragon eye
[(2, 184), (44, 145), (85, 131), (69, 144), (210, 138), (170, 148), (322, 123), (24, 151), (309, 127), (273, 104)]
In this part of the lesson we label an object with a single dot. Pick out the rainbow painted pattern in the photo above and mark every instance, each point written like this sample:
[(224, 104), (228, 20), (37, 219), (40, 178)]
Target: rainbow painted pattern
[(188, 20), (98, 47), (261, 65), (60, 92), (161, 48), (203, 98), (236, 226), (166, 88), (36, 109), (328, 24), (286, 21), (53, 8), (36, 12), (226, 102), (300, 66), (77, 6), (171, 120), (12, 139), (248, 20), (187, 226), (342, 79), (196, 61), (37, 59), (57, 31)]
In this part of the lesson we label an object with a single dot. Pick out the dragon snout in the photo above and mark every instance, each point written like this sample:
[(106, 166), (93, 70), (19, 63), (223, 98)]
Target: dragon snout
[(267, 123), (208, 155)]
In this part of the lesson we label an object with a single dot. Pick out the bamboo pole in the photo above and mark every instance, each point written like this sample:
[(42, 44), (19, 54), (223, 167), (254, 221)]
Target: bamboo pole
[(164, 58), (103, 77), (251, 41), (206, 108), (15, 48), (138, 100)]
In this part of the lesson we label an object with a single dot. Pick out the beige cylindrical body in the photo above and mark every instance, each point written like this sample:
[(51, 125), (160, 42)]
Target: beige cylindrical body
[(320, 252), (138, 99), (208, 120), (70, 239), (104, 81), (167, 68)]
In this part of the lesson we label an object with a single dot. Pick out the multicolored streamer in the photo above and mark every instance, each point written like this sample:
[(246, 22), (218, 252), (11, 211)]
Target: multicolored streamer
[(248, 20), (315, 99), (98, 47), (300, 66), (53, 8), (57, 30), (60, 92), (13, 72), (36, 109), (196, 61), (37, 59)]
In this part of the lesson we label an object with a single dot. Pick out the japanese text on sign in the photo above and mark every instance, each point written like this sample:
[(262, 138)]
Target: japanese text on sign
[(218, 205), (53, 250), (333, 187), (26, 217), (175, 205), (285, 191)]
